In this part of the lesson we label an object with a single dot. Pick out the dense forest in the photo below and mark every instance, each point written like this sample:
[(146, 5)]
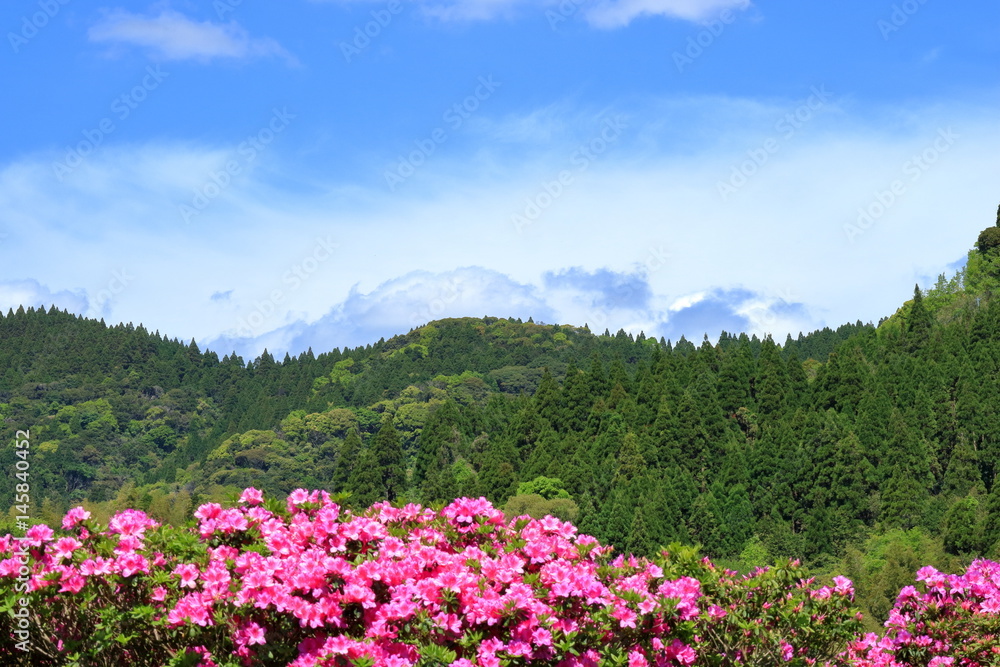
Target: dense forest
[(865, 450)]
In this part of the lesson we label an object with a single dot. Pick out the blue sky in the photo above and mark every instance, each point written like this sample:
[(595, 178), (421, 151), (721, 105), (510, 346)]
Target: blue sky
[(326, 173)]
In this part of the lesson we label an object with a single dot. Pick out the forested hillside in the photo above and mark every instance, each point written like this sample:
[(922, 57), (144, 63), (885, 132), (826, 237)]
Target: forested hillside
[(860, 449)]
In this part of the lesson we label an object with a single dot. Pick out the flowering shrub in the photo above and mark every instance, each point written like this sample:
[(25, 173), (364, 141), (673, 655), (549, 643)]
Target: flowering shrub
[(954, 621), (306, 584)]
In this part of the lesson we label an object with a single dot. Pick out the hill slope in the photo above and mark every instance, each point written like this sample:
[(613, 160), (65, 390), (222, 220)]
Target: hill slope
[(835, 439)]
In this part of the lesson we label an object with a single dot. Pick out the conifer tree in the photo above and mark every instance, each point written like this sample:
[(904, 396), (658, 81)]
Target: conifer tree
[(798, 381), (597, 382), (705, 526), (498, 475), (904, 500), (346, 459), (962, 474), (736, 376), (389, 457), (918, 324), (639, 541), (442, 429), (960, 527), (627, 489), (548, 398), (366, 484), (576, 400), (736, 517), (771, 388)]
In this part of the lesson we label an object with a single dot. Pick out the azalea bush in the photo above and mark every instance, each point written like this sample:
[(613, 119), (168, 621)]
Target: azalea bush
[(305, 583), (954, 620)]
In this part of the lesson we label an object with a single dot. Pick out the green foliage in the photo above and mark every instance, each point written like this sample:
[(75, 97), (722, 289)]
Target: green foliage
[(546, 487), (988, 241), (885, 563)]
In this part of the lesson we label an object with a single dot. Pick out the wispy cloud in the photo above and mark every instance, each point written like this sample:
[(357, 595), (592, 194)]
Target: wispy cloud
[(30, 292), (599, 13), (174, 36), (619, 13), (397, 305)]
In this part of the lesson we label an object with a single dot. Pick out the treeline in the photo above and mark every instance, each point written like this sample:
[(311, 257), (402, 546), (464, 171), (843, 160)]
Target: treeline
[(113, 408)]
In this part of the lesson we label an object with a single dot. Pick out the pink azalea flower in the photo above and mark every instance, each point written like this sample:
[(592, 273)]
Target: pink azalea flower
[(74, 516), (252, 496), (38, 534), (188, 574), (64, 548), (787, 652), (843, 586)]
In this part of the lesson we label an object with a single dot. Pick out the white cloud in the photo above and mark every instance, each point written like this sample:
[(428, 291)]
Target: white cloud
[(30, 292), (173, 36), (599, 13), (619, 13), (392, 308)]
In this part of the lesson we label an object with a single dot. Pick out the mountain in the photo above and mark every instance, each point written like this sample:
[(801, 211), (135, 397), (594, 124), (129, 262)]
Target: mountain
[(860, 440)]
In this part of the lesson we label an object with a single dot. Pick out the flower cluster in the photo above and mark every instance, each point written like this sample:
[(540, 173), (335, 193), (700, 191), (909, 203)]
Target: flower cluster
[(307, 584), (954, 621)]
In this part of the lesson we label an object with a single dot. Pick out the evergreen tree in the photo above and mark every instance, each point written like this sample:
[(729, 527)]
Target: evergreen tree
[(904, 500), (576, 401), (960, 527), (389, 458), (962, 475), (918, 324), (442, 430), (366, 484), (627, 489), (736, 518), (771, 388), (736, 378), (705, 526), (498, 475), (346, 459), (639, 540)]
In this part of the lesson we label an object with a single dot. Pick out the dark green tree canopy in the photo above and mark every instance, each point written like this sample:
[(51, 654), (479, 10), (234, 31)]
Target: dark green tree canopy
[(989, 240)]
